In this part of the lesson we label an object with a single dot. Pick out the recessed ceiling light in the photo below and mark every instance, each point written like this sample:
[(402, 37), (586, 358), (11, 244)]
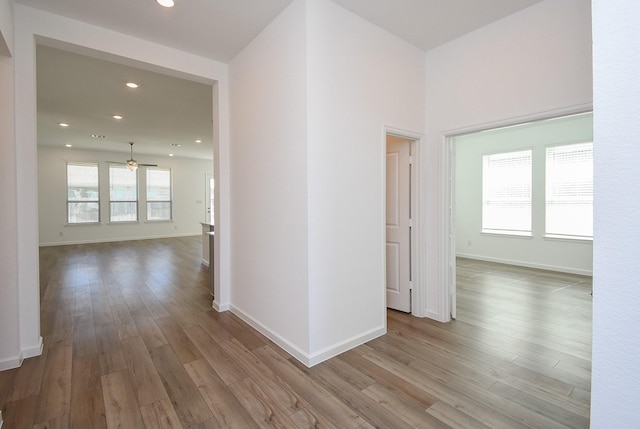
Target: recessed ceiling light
[(132, 85), (117, 117), (198, 141), (166, 3), (68, 145), (63, 124), (170, 154)]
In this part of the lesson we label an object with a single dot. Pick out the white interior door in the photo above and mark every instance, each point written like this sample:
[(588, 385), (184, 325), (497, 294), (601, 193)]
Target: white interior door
[(398, 249)]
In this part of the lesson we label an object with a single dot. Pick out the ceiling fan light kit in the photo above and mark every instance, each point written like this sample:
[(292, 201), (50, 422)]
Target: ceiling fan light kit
[(132, 164), (166, 3)]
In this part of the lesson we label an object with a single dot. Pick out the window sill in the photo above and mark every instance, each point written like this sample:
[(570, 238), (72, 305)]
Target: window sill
[(83, 224), (501, 233), (568, 238)]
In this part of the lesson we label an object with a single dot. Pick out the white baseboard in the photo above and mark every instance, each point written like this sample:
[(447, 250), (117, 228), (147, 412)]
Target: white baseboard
[(527, 264), (305, 358), (290, 348), (11, 363), (220, 307), (16, 361), (33, 351), (113, 240), (346, 345)]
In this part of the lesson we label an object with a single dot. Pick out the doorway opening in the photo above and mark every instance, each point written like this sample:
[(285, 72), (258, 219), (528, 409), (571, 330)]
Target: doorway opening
[(522, 223)]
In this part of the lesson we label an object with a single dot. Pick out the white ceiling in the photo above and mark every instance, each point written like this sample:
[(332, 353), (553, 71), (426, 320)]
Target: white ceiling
[(167, 110), (86, 92)]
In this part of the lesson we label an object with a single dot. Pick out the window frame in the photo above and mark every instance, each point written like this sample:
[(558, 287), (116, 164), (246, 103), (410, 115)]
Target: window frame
[(122, 201), (491, 229), (95, 201), (561, 235), (151, 201)]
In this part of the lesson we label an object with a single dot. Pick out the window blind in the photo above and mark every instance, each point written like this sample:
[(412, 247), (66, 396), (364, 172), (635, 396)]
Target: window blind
[(506, 192), (569, 190)]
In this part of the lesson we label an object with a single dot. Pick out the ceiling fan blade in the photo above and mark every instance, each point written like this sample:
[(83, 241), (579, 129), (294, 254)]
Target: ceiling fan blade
[(148, 165), (116, 162)]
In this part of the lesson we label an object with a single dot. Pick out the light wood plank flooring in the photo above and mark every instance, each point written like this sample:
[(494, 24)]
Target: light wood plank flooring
[(131, 341)]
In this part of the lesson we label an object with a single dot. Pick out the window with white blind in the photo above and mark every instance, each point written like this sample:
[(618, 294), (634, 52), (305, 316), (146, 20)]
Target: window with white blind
[(569, 191), (123, 194), (83, 193), (158, 194), (506, 193)]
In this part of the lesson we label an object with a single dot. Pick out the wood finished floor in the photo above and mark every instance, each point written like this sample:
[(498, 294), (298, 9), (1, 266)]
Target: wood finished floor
[(131, 341)]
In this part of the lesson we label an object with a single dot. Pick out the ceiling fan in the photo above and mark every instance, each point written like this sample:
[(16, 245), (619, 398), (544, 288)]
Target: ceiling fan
[(132, 164)]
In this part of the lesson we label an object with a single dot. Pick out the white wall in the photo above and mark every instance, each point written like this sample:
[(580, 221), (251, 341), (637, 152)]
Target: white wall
[(574, 256), (308, 109), (188, 177), (31, 24), (360, 79), (269, 182), (616, 298), (6, 27), (10, 351), (535, 63)]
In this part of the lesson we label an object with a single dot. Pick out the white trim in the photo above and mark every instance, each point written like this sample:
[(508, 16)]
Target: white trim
[(286, 345), (33, 351), (518, 120), (307, 359), (343, 346), (16, 361), (528, 264), (113, 240), (451, 300), (220, 307), (11, 363)]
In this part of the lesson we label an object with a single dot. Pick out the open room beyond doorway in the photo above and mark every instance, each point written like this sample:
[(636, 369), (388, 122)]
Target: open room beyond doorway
[(522, 195)]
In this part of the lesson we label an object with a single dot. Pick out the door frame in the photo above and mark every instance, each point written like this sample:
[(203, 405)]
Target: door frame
[(418, 242)]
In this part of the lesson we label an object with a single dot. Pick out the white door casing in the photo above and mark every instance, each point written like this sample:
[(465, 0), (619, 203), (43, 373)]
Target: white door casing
[(398, 226)]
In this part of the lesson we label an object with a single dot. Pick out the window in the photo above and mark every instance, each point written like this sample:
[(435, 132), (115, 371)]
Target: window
[(506, 193), (569, 190), (83, 195), (123, 194), (158, 194)]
